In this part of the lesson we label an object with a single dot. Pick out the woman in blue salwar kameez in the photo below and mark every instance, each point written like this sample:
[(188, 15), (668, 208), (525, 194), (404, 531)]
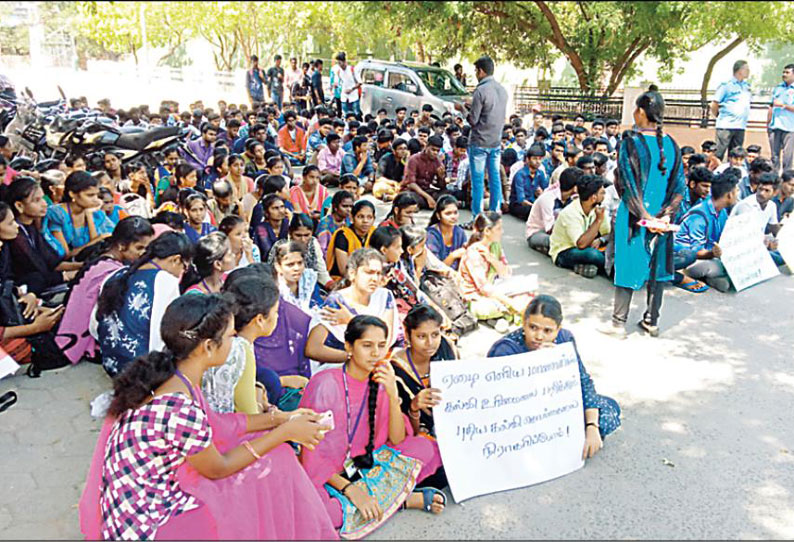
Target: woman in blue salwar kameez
[(651, 183), (542, 327)]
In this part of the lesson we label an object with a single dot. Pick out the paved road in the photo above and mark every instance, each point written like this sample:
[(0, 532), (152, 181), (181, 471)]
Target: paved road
[(706, 449)]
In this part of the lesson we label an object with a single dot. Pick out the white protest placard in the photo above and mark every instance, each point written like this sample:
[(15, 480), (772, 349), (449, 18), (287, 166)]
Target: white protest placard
[(7, 364), (744, 255), (785, 243), (509, 422)]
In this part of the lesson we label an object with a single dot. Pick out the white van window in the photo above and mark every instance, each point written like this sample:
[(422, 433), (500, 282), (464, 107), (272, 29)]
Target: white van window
[(370, 76), (441, 82), (400, 81)]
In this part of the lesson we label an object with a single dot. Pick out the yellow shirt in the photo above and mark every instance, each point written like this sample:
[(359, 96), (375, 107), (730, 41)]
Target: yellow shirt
[(569, 227), (245, 390)]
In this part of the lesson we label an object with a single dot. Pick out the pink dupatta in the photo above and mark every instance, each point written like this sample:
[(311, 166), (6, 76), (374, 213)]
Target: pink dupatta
[(73, 337), (270, 499), (325, 391), (302, 204)]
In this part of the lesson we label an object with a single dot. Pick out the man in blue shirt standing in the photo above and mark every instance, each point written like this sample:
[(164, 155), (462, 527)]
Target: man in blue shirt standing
[(731, 106), (780, 120), (255, 83)]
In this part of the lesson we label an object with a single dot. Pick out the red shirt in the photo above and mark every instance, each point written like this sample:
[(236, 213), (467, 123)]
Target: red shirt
[(423, 170), (294, 146)]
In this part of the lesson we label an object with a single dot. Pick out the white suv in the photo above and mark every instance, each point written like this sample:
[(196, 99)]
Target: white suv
[(389, 85)]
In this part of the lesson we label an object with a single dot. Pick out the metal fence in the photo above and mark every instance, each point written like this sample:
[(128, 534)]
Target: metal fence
[(683, 107), (567, 103)]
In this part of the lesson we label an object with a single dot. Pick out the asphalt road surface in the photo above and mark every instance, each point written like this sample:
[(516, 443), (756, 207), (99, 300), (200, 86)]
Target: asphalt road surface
[(706, 449)]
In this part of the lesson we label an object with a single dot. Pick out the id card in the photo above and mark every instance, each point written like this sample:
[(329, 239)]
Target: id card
[(350, 468)]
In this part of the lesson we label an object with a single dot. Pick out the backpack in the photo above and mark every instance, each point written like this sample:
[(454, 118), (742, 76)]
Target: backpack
[(445, 294)]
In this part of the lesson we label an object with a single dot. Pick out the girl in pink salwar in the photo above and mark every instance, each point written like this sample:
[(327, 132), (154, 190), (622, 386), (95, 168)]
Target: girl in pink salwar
[(130, 238), (308, 197), (167, 467), (368, 465)]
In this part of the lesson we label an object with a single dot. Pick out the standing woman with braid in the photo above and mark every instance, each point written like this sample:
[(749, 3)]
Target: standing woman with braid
[(651, 184), (369, 427)]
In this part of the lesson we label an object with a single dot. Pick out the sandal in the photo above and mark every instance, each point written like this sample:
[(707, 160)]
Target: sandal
[(694, 286), (653, 331), (7, 399), (428, 493)]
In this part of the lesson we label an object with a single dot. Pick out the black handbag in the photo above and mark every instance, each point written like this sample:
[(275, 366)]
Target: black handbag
[(45, 351), (10, 310), (445, 294)]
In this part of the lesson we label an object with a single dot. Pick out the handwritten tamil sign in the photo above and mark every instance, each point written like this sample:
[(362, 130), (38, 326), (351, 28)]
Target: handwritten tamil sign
[(744, 255), (509, 422)]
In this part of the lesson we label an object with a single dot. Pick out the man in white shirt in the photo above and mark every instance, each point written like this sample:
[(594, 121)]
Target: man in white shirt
[(761, 202), (546, 208), (291, 75), (349, 84), (736, 158)]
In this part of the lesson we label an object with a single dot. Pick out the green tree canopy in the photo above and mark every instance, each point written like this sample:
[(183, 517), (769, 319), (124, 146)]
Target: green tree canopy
[(602, 41)]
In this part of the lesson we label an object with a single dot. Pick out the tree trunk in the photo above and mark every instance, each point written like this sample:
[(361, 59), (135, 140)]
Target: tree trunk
[(704, 87), (617, 76), (420, 51), (558, 40), (171, 51)]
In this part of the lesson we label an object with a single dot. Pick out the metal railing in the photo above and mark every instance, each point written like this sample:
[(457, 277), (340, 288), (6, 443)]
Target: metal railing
[(682, 106), (566, 103)]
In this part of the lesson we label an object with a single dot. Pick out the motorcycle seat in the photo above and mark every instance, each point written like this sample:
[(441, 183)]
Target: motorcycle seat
[(139, 141)]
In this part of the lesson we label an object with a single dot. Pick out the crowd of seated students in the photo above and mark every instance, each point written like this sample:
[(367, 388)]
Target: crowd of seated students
[(231, 299), (569, 216), (235, 300)]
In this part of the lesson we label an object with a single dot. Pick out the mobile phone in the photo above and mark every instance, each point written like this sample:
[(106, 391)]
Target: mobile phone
[(327, 419)]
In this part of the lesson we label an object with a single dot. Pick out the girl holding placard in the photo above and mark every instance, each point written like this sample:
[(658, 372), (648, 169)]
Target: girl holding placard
[(542, 328)]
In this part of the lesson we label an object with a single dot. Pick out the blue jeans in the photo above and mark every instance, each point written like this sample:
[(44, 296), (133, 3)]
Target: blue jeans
[(681, 260), (479, 157), (352, 107), (277, 98), (574, 256)]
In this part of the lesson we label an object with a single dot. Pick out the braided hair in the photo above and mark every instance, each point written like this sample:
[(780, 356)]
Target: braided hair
[(113, 292), (652, 104), (129, 230), (355, 329), (209, 249), (188, 321), (484, 220)]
